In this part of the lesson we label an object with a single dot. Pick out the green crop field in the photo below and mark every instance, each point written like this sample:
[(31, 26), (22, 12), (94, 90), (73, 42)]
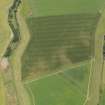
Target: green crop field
[(102, 100), (61, 34), (57, 41), (65, 88), (60, 7)]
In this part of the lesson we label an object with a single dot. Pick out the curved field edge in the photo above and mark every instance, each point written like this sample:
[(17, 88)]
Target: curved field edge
[(15, 61), (97, 70), (61, 88)]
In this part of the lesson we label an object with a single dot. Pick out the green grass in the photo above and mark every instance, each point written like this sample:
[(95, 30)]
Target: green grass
[(59, 7), (66, 88), (102, 100), (2, 92), (5, 33), (58, 41)]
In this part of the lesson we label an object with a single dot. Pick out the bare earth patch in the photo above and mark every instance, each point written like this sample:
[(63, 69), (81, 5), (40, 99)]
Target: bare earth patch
[(4, 64)]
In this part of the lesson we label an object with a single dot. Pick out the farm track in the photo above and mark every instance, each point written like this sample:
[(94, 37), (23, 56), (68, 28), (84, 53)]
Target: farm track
[(10, 89), (96, 73), (16, 59)]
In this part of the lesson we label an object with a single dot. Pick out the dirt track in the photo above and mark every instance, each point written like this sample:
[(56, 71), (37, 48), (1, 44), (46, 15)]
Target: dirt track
[(96, 73)]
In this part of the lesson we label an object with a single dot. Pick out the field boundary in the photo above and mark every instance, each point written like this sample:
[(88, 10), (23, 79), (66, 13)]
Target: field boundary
[(29, 89), (46, 76), (89, 81)]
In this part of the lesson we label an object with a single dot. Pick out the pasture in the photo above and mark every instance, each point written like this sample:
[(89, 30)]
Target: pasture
[(65, 88)]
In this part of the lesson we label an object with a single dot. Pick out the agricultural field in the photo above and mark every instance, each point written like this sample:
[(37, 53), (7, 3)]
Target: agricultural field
[(60, 35), (41, 8), (57, 41), (58, 60), (102, 100), (65, 88)]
